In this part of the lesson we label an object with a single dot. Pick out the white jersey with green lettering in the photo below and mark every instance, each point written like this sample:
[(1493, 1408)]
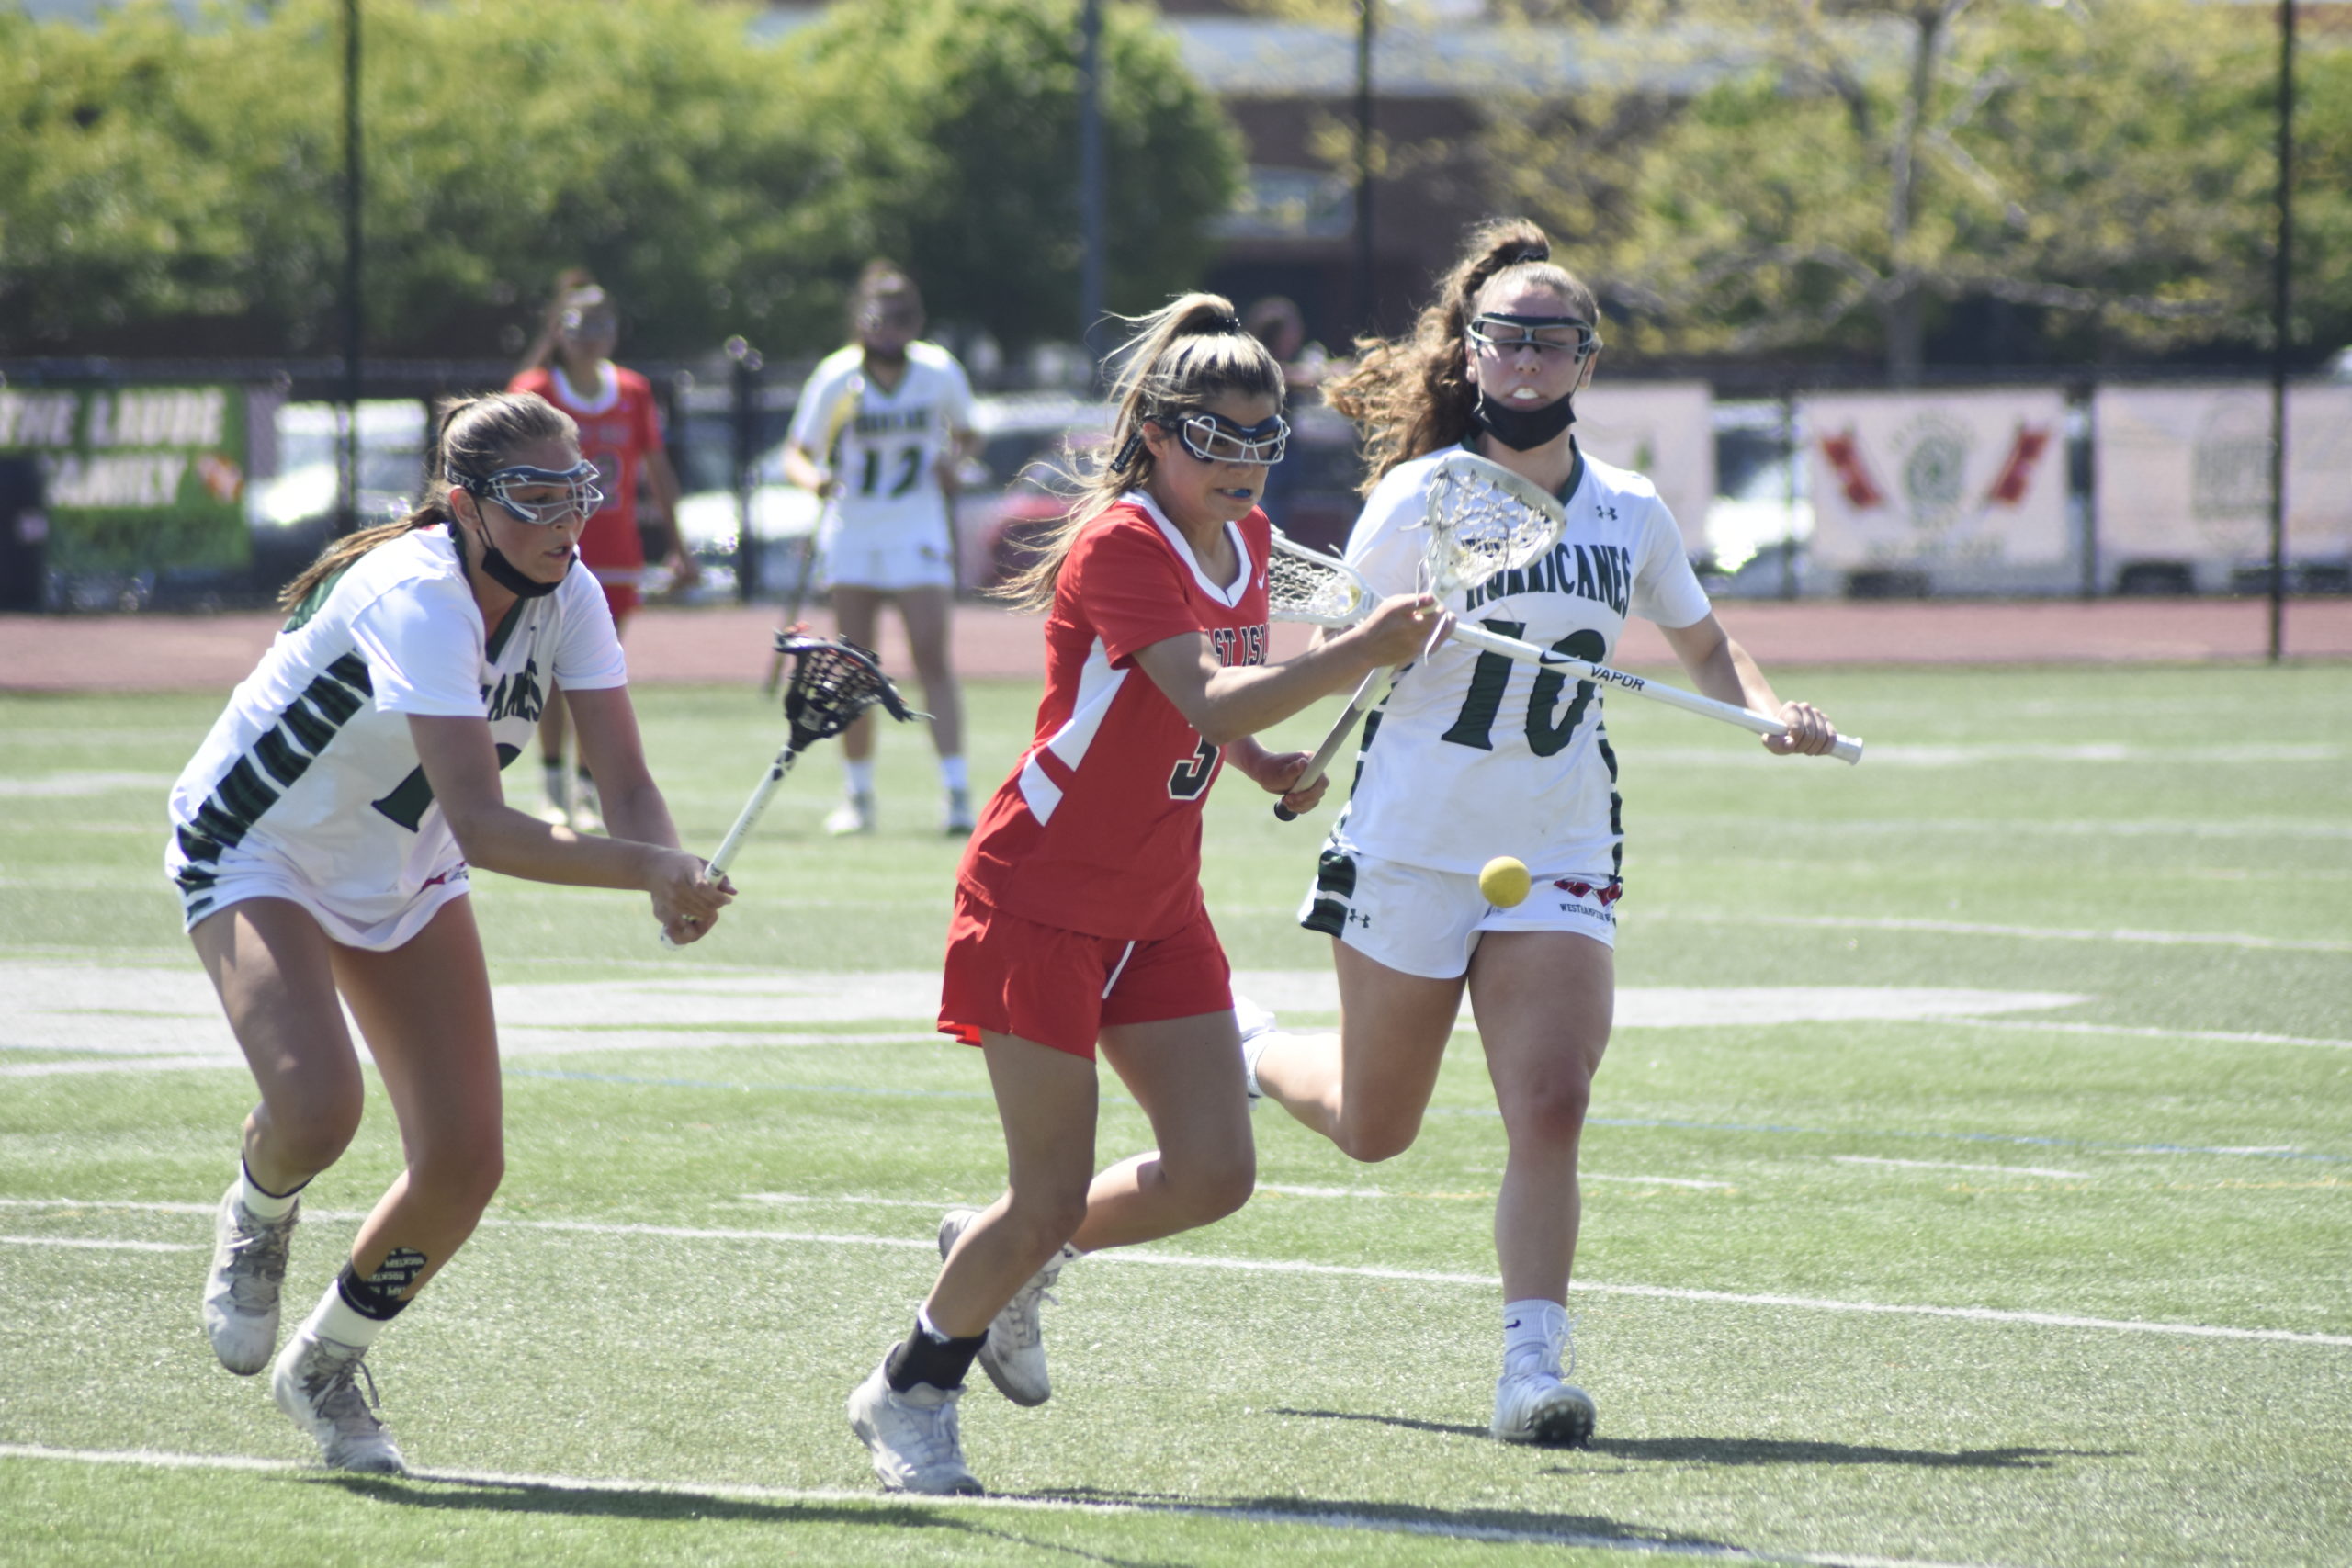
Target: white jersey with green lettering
[(884, 446), (1473, 755), (312, 773)]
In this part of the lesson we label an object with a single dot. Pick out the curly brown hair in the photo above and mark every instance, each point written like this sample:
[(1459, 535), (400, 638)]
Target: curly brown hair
[(1412, 394)]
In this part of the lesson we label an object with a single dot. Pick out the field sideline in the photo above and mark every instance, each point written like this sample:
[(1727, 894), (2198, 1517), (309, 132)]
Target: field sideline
[(1970, 1182)]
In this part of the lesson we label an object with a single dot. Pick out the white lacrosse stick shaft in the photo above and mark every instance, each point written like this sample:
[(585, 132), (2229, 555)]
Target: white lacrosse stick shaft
[(1846, 748)]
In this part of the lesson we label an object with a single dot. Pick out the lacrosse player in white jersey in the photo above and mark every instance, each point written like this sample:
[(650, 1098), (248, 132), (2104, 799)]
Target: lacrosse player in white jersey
[(1474, 756), (322, 841), (878, 431)]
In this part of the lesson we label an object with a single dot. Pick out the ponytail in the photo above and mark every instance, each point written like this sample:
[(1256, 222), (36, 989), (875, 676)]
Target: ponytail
[(1180, 356)]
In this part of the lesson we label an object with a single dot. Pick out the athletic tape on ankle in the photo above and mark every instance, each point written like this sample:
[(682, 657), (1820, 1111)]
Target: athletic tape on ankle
[(379, 1295)]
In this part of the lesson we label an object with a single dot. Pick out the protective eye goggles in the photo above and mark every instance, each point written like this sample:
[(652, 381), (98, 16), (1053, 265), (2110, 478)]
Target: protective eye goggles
[(1546, 335), (577, 494), (1213, 438)]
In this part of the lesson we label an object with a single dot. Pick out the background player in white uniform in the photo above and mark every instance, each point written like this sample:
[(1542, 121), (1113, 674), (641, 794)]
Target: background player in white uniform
[(1475, 756), (879, 431), (321, 840)]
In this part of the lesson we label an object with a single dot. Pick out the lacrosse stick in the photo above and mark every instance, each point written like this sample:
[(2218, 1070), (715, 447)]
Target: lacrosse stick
[(1480, 518), (831, 684), (1312, 587), (845, 408)]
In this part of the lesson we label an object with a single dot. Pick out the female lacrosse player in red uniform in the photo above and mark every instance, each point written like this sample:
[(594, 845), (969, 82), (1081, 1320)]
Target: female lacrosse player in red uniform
[(1474, 756), (321, 840), (620, 433), (1078, 921)]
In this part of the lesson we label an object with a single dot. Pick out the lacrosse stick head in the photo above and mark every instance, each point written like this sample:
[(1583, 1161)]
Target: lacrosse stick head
[(1483, 519), (832, 682), (1308, 586)]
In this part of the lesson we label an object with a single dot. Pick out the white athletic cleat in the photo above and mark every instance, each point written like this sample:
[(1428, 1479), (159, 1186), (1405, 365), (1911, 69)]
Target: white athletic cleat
[(1538, 1407), (313, 1384), (960, 820), (587, 809), (913, 1436), (241, 1293), (853, 815), (1256, 1025), (555, 800), (1533, 1404), (1015, 1356)]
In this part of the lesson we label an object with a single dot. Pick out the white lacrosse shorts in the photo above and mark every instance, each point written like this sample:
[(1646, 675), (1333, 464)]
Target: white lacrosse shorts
[(1420, 922)]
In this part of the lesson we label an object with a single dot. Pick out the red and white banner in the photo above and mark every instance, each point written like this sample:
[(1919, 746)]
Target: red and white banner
[(1949, 478), (2184, 472), (1662, 430)]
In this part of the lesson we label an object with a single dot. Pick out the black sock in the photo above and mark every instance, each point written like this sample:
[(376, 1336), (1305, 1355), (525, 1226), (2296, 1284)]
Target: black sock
[(923, 1357), (379, 1295)]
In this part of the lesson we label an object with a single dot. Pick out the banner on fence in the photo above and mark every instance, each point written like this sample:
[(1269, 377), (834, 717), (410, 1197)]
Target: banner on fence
[(1944, 479), (1663, 431), (138, 479), (2183, 473)]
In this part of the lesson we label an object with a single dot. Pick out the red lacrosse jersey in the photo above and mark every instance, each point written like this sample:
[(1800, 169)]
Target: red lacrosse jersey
[(620, 426), (1098, 830)]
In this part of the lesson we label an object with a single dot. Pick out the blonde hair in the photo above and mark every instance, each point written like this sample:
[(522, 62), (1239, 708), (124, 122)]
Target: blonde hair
[(475, 436), (1178, 357), (1412, 394)]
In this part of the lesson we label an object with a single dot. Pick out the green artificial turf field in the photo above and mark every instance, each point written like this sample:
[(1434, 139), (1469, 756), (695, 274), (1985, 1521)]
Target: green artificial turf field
[(1970, 1182)]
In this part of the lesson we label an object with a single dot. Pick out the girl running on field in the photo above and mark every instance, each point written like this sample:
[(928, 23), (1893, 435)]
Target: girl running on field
[(1078, 921), (1474, 756), (321, 842)]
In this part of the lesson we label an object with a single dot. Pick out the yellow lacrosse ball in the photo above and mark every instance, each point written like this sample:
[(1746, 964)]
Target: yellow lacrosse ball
[(1504, 881)]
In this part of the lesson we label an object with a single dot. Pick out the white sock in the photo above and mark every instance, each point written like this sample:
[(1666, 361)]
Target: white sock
[(860, 776), (1533, 1332), (335, 1318), (953, 774), (556, 779), (261, 1204)]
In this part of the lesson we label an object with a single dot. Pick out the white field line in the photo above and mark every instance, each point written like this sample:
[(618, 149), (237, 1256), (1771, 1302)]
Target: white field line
[(1974, 827), (1947, 1165), (1127, 1255), (1292, 1191), (1975, 928), (2141, 1032), (934, 1205), (115, 1064), (1401, 1523), (100, 1246)]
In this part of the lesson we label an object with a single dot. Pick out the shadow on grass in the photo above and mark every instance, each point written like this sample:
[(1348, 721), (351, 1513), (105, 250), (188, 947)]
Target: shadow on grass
[(663, 1506), (1776, 1450), (1512, 1525), (1443, 1428), (1752, 1450)]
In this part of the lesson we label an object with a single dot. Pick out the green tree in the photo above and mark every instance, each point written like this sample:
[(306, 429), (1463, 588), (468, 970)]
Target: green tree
[(966, 132), (168, 189), (1843, 174)]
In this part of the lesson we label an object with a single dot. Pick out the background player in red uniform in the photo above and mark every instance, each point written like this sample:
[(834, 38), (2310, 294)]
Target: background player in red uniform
[(620, 432), (1078, 919)]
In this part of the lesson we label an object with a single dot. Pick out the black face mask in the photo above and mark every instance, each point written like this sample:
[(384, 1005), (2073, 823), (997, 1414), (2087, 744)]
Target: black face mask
[(1522, 429), (504, 572)]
